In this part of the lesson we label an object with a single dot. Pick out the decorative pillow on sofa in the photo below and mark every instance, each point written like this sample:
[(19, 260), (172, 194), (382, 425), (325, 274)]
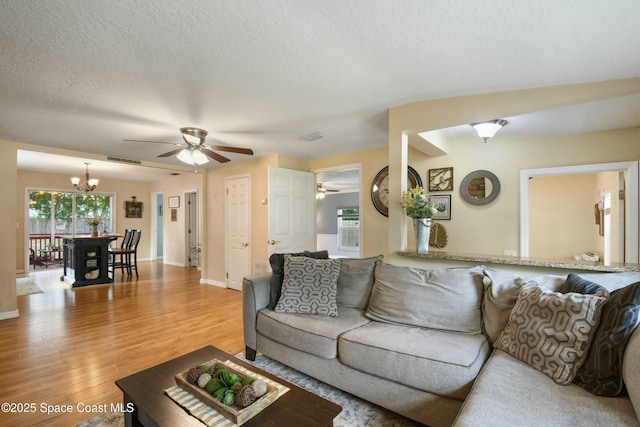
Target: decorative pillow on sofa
[(551, 331), (277, 267), (447, 299), (309, 286), (356, 280), (601, 373), (579, 285)]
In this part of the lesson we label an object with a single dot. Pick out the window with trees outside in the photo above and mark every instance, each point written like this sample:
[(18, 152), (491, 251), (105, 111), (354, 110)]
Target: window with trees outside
[(54, 215)]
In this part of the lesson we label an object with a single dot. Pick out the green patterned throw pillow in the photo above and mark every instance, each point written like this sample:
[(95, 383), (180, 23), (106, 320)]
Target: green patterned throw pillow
[(551, 331)]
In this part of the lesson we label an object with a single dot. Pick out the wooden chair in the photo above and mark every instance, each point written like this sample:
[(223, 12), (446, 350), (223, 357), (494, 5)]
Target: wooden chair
[(118, 256), (132, 254)]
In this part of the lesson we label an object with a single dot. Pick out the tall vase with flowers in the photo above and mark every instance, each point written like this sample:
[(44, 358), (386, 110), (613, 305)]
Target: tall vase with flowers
[(417, 205), (94, 222)]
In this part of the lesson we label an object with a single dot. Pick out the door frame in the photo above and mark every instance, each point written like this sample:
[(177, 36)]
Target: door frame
[(154, 224)]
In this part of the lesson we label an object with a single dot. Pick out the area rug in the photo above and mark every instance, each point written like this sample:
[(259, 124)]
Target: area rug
[(355, 412), (26, 286)]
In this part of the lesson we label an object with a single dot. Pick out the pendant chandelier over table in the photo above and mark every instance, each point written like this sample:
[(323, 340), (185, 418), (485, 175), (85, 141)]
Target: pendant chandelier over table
[(89, 183)]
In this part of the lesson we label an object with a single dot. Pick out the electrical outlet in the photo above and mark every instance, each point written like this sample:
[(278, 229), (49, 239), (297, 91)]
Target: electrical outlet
[(509, 252)]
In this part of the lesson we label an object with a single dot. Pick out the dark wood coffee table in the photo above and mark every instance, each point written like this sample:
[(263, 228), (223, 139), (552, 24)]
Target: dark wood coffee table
[(150, 406)]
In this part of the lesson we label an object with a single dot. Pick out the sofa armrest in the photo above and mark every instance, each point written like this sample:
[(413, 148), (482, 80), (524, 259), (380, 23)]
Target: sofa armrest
[(255, 297)]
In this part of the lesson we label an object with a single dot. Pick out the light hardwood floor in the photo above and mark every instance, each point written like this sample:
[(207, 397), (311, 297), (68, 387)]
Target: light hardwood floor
[(69, 345)]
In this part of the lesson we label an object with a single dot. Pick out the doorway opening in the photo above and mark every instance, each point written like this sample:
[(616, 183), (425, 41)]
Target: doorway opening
[(338, 206)]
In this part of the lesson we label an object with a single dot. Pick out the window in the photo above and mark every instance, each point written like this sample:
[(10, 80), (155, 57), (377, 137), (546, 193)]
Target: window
[(53, 215), (349, 229)]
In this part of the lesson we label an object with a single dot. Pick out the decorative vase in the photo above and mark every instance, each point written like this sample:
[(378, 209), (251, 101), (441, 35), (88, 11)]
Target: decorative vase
[(95, 231), (422, 228)]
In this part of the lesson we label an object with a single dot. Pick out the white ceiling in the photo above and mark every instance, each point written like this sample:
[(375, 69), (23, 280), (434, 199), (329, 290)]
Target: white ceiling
[(86, 74)]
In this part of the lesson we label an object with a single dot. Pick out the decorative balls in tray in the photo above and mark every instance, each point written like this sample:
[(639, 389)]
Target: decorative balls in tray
[(226, 386)]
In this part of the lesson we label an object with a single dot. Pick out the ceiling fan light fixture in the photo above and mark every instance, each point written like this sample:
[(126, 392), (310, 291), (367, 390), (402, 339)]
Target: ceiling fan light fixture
[(489, 128), (199, 157), (192, 157)]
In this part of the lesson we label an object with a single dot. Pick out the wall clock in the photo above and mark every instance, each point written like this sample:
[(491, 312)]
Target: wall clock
[(380, 188), (440, 179)]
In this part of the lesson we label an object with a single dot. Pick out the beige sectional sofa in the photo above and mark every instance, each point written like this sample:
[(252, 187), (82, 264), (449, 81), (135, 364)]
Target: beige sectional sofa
[(421, 342)]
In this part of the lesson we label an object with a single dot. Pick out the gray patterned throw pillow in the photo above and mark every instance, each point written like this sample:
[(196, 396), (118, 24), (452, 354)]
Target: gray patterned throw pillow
[(551, 332), (309, 286)]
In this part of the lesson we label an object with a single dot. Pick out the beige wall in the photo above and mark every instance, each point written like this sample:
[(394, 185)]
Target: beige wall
[(504, 156), (559, 206), (492, 228), (8, 178)]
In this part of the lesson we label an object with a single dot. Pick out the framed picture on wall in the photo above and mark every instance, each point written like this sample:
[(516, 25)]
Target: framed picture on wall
[(174, 201), (133, 209), (443, 205)]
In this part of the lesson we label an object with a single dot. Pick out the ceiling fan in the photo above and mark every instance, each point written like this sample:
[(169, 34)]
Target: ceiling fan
[(321, 191), (194, 151)]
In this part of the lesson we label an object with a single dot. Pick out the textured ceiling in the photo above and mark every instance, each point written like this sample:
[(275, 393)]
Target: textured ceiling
[(86, 74)]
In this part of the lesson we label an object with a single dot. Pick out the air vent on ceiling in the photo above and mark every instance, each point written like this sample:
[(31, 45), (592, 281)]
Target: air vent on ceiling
[(313, 136), (121, 160)]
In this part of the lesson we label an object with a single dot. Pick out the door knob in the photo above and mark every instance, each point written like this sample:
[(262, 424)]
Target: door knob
[(273, 242), (244, 245)]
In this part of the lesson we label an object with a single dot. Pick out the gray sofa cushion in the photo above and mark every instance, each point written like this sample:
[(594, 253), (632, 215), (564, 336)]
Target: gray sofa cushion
[(309, 286), (356, 280), (510, 393), (277, 267), (551, 331), (501, 291), (436, 361), (630, 371), (416, 297), (317, 335)]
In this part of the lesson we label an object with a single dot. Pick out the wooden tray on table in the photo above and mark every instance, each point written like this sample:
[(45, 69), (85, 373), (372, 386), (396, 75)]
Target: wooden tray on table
[(237, 415)]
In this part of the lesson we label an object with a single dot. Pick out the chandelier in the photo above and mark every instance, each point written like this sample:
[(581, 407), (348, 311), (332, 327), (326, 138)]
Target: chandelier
[(88, 185)]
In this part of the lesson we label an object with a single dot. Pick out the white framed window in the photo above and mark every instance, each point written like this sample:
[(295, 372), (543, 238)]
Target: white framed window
[(349, 228)]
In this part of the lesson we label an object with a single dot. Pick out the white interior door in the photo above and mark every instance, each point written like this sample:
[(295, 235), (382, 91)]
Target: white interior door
[(292, 210), (238, 226)]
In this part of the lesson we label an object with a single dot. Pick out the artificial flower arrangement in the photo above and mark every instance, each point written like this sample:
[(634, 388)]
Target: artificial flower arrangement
[(417, 204), (94, 221)]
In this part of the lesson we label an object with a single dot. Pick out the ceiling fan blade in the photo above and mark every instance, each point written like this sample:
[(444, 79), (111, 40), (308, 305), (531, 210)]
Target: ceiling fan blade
[(214, 155), (171, 153), (232, 149), (154, 142)]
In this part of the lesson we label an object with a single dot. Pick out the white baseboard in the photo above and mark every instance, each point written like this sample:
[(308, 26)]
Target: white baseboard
[(214, 283), (175, 264), (9, 314)]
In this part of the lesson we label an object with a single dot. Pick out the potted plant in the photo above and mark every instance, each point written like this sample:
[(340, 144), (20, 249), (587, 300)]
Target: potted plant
[(94, 222), (417, 205)]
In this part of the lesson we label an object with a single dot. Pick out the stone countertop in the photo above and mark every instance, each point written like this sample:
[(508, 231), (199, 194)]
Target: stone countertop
[(530, 262)]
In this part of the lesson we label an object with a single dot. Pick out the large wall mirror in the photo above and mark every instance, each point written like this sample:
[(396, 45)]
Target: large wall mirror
[(569, 216)]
